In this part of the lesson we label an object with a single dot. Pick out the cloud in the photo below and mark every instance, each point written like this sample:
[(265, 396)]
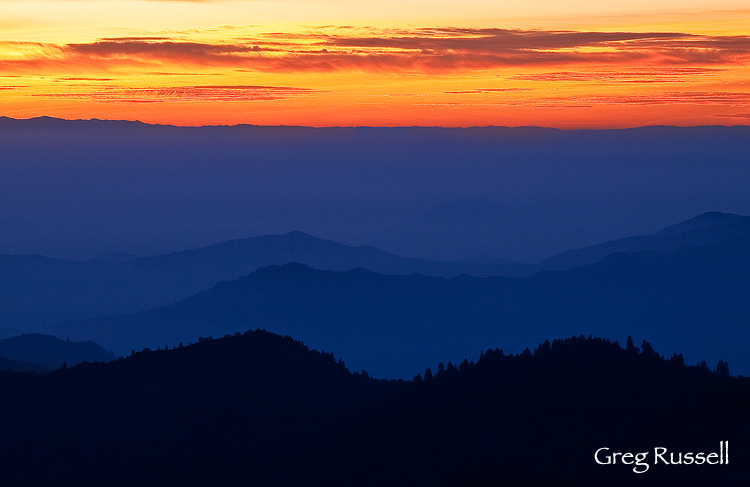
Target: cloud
[(430, 51), (487, 90), (652, 75), (495, 40), (734, 115), (230, 93), (723, 98), (162, 49), (134, 39), (683, 97), (84, 79)]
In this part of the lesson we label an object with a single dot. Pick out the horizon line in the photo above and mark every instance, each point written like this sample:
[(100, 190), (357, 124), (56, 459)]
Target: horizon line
[(459, 127)]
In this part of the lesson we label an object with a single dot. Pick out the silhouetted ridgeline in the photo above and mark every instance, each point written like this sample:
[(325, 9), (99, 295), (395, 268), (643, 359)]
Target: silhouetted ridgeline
[(259, 409)]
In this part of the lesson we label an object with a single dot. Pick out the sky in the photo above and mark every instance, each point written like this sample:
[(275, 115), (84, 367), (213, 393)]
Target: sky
[(575, 64)]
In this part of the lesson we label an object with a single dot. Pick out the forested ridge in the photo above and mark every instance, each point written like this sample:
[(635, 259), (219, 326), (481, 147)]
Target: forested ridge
[(261, 409)]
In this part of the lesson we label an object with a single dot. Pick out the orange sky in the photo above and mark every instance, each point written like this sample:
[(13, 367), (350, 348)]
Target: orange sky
[(329, 62)]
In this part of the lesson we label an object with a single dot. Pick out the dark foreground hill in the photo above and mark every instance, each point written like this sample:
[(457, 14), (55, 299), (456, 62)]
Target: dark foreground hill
[(692, 299), (20, 366), (259, 409)]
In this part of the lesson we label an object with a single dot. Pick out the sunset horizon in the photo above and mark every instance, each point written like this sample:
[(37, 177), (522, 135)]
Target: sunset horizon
[(289, 125), (224, 62)]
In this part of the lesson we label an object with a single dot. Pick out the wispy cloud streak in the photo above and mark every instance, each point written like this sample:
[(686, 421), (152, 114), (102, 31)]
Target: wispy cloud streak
[(653, 75), (701, 98), (422, 50), (116, 94)]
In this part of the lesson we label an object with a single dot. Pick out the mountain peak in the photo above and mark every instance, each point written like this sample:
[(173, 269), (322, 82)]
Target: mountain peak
[(704, 220)]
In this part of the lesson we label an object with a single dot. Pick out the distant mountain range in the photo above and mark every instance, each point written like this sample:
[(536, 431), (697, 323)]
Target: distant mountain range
[(692, 299), (76, 189), (50, 352), (467, 404), (37, 291), (705, 229), (258, 409)]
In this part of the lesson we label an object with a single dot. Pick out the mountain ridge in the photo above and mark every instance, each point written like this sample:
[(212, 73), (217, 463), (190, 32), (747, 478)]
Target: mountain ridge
[(165, 188), (704, 229), (241, 409), (87, 289), (138, 123), (675, 299)]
